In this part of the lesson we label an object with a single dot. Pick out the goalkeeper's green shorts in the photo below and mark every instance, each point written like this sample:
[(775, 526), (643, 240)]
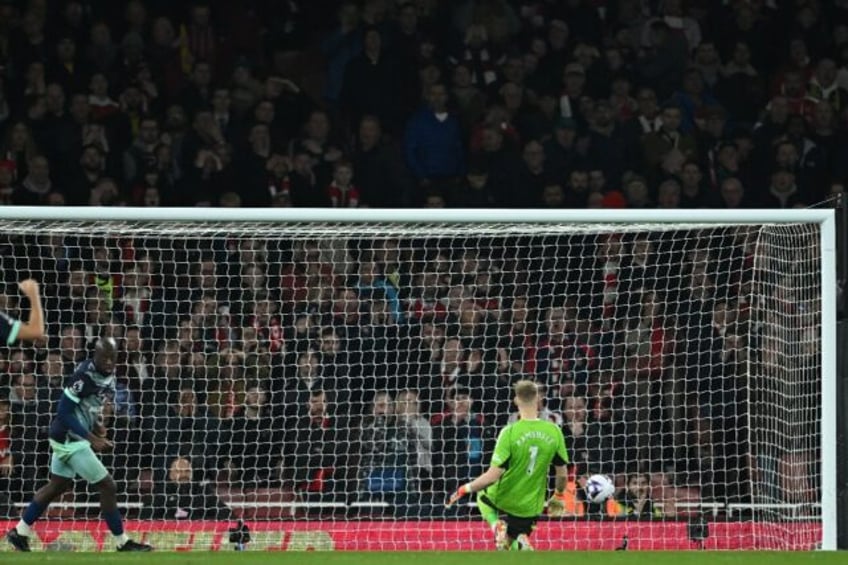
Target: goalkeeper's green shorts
[(76, 458)]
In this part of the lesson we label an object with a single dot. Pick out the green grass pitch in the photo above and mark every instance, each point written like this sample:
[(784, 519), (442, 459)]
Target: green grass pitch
[(436, 558)]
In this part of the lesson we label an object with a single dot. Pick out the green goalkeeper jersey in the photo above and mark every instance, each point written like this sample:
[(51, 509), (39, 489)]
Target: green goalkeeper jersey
[(525, 450)]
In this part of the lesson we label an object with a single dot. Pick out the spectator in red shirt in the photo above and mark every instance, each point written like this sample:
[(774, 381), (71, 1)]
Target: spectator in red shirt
[(795, 91), (198, 40), (266, 322), (624, 105), (342, 193), (425, 302), (302, 271), (608, 258), (19, 148), (103, 107)]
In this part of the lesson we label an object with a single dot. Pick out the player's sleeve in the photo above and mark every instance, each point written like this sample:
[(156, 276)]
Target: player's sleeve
[(561, 455), (9, 329), (503, 449), (78, 386), (67, 416)]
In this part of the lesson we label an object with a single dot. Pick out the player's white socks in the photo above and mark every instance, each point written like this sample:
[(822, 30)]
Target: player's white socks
[(121, 540), (23, 529)]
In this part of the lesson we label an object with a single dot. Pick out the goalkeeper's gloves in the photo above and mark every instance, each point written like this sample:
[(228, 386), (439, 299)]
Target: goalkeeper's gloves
[(556, 505), (460, 492)]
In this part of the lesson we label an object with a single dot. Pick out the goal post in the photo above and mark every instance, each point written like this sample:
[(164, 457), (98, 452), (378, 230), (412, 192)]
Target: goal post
[(698, 346), (830, 375)]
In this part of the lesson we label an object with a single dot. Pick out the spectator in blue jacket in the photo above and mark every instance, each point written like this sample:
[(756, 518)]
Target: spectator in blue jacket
[(434, 148)]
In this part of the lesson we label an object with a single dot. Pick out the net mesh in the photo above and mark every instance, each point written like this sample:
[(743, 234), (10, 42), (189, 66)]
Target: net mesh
[(345, 378)]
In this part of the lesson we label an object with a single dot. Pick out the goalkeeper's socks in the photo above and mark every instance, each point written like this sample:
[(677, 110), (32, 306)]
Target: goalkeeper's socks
[(501, 538), (120, 540), (32, 513)]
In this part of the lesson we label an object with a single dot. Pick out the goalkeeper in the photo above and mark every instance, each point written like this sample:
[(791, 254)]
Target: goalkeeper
[(512, 492), (12, 330), (75, 435)]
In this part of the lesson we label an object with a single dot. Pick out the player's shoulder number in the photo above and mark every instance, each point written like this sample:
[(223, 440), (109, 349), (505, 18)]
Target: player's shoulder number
[(78, 386)]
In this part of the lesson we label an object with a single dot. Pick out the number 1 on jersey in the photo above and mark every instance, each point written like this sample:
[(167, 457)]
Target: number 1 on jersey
[(534, 453)]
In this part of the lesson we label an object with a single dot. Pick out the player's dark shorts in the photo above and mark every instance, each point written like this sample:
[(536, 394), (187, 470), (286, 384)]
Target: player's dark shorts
[(515, 525)]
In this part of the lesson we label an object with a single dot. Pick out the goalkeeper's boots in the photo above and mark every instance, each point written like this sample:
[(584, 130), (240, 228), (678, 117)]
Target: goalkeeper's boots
[(21, 543), (501, 539), (134, 546), (522, 543)]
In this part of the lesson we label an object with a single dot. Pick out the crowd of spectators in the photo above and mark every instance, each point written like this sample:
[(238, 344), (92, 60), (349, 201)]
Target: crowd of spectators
[(383, 103), (389, 377), (349, 369)]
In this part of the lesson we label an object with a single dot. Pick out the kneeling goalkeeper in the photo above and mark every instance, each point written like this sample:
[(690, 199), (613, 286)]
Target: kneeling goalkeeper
[(512, 492)]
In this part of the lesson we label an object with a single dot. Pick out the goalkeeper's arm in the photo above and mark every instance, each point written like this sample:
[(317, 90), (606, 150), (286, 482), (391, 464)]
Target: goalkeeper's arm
[(489, 477), (556, 507)]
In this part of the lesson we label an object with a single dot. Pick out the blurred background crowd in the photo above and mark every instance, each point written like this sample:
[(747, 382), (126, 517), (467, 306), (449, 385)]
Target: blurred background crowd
[(350, 369), (475, 103), (380, 369)]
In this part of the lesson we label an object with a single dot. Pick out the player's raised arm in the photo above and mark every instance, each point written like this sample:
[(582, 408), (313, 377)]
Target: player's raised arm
[(33, 329)]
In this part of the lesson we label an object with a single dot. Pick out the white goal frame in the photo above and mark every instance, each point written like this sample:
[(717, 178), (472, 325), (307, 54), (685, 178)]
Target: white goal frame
[(825, 218)]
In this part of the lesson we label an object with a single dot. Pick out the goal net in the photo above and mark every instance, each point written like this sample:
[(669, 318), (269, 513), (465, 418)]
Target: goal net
[(331, 383)]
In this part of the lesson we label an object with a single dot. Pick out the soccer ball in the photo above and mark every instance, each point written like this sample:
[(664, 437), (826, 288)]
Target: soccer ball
[(599, 488)]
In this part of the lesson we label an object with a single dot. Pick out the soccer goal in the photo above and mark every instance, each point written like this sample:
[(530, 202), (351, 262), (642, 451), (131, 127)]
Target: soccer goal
[(330, 376)]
